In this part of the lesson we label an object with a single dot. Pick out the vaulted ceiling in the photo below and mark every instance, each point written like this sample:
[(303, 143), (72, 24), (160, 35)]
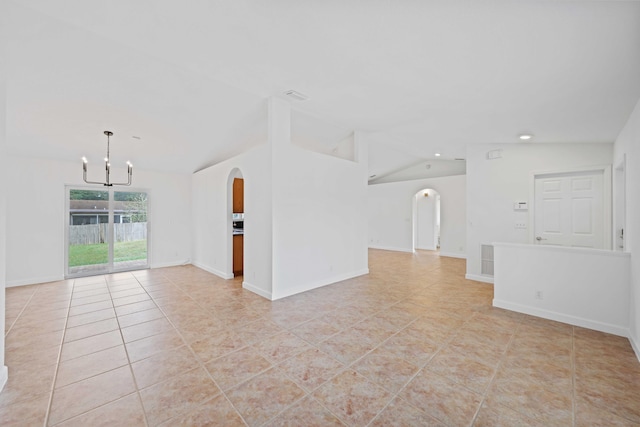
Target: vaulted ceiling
[(184, 84)]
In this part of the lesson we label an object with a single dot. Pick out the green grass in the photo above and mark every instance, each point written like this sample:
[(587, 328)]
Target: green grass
[(80, 255)]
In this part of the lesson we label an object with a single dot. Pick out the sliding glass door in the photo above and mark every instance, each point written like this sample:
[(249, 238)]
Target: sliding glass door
[(106, 231)]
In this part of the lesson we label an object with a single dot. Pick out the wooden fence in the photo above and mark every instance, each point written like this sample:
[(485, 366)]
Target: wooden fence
[(97, 233)]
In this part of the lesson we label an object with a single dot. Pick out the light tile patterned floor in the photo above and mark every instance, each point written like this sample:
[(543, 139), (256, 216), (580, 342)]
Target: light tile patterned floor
[(411, 344)]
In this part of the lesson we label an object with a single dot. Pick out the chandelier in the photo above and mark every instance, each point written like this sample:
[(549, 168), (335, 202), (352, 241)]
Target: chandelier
[(107, 166)]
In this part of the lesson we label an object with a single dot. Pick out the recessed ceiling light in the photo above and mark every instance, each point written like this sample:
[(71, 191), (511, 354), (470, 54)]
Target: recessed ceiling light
[(437, 154), (296, 95), (525, 136)]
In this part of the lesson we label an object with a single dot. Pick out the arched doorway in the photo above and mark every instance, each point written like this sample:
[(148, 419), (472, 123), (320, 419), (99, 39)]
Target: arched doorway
[(235, 222), (426, 220)]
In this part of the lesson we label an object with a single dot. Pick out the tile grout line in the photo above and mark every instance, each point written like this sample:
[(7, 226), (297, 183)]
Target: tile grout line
[(110, 370), (495, 373), (133, 377), (21, 311), (55, 375), (200, 363), (395, 396)]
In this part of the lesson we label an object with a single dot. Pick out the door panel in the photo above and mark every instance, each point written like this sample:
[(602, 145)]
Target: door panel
[(551, 216), (582, 216), (569, 209), (130, 230), (106, 231), (88, 232)]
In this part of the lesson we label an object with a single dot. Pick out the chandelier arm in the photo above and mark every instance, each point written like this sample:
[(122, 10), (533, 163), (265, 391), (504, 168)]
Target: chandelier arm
[(107, 167), (128, 181), (84, 178)]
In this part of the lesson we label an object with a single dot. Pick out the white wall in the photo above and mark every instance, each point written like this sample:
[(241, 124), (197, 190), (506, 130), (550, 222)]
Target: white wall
[(582, 287), (319, 236), (425, 225), (36, 217), (303, 224), (3, 183), (211, 219), (494, 185), (628, 143), (390, 213)]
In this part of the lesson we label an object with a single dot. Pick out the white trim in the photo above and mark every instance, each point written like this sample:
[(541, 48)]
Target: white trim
[(390, 248), (564, 318), (35, 281), (321, 283), (4, 376), (479, 278), (635, 346), (110, 269), (212, 270), (606, 198), (551, 248), (167, 264), (454, 255), (256, 290)]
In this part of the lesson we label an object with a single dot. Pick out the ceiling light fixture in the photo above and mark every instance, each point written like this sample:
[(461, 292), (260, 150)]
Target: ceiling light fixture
[(107, 166), (296, 95), (437, 154), (525, 136)]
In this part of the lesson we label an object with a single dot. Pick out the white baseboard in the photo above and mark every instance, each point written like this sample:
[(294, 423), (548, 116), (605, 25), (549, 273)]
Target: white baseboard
[(454, 255), (390, 248), (169, 264), (4, 376), (212, 270), (635, 346), (479, 278), (565, 318), (256, 290), (320, 283), (33, 281)]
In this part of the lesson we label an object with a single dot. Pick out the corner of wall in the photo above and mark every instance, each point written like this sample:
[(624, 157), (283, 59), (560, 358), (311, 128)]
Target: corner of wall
[(256, 290), (635, 344)]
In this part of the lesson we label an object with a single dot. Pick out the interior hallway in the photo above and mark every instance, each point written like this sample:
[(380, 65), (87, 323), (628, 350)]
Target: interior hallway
[(412, 343)]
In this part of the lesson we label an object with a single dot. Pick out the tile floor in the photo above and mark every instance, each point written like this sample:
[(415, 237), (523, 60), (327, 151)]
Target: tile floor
[(411, 344)]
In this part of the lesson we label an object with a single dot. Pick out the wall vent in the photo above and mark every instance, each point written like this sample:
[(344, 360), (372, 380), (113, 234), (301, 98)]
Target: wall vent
[(486, 257), (296, 95)]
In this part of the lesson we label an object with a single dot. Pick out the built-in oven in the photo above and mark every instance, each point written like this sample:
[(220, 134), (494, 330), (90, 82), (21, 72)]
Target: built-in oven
[(237, 220)]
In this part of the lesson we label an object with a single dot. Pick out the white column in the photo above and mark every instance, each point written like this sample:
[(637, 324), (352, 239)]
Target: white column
[(3, 180)]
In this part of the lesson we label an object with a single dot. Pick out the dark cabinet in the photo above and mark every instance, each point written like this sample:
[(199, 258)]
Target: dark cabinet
[(238, 195), (238, 243)]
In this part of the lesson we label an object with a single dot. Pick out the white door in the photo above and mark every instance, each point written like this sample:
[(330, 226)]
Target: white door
[(569, 209)]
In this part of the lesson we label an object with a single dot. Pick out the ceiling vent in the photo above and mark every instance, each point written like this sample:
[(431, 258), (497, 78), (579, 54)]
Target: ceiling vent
[(296, 95)]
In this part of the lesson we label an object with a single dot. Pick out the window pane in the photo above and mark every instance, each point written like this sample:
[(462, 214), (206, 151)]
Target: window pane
[(88, 218), (130, 234)]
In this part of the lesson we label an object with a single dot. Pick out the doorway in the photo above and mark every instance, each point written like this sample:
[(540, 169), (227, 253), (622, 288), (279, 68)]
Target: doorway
[(620, 205), (106, 231), (573, 208), (235, 188), (427, 220)]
